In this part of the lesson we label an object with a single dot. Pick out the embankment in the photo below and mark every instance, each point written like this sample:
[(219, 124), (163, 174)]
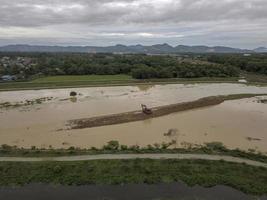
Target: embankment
[(157, 112)]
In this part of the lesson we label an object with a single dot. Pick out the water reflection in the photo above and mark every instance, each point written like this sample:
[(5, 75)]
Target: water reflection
[(145, 88), (73, 99)]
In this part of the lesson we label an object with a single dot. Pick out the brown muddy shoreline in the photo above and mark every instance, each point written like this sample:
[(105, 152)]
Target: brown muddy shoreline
[(157, 112)]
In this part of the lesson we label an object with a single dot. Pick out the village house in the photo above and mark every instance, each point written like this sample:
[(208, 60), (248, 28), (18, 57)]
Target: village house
[(8, 78)]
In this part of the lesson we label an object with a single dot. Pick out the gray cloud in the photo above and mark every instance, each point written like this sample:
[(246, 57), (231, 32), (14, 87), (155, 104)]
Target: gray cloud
[(146, 21)]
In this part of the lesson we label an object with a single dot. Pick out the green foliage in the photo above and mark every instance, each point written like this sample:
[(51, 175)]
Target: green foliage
[(139, 66), (123, 147), (185, 70), (216, 148), (254, 63), (73, 93), (144, 72), (57, 169), (112, 145), (252, 180), (82, 78), (195, 71)]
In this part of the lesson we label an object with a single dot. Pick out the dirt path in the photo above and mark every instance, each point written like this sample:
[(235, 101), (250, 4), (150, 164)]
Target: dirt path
[(134, 156), (156, 112)]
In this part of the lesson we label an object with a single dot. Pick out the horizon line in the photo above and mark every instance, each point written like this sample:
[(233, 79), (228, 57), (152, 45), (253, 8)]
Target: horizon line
[(138, 44)]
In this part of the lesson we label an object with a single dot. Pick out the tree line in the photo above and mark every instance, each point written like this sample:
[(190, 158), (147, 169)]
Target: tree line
[(138, 66), (252, 63)]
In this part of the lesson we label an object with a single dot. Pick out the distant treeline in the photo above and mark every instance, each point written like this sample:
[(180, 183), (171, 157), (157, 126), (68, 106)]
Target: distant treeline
[(139, 66), (252, 63)]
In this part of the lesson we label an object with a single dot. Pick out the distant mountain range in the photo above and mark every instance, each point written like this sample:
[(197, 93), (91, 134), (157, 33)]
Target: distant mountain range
[(261, 50), (154, 49)]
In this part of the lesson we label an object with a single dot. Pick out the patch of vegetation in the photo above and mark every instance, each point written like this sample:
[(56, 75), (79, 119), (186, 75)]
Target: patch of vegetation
[(77, 84), (59, 70), (255, 78), (25, 103), (263, 101), (82, 78), (114, 147), (139, 66), (253, 63), (185, 70), (73, 93), (252, 180)]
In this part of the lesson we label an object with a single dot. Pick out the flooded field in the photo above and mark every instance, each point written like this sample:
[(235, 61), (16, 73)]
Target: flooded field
[(237, 123)]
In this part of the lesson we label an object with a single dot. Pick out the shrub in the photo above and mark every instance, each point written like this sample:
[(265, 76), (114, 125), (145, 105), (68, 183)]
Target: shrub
[(33, 147), (124, 147), (57, 169), (144, 72), (217, 146), (134, 148), (165, 145), (150, 147), (73, 94), (157, 146), (112, 145)]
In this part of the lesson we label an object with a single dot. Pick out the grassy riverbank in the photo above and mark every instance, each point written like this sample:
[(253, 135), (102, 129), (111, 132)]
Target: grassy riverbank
[(113, 147), (99, 80), (54, 82), (252, 180), (92, 78)]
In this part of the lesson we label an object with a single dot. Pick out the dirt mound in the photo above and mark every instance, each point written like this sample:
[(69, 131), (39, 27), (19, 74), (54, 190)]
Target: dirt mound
[(156, 112)]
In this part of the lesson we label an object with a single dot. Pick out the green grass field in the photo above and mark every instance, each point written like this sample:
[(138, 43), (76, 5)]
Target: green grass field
[(86, 78), (251, 77), (72, 81), (53, 82)]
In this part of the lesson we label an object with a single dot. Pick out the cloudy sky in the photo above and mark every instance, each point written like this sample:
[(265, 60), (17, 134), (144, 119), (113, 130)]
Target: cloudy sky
[(236, 23)]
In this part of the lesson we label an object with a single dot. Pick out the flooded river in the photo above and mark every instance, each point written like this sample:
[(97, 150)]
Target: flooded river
[(174, 191), (237, 124)]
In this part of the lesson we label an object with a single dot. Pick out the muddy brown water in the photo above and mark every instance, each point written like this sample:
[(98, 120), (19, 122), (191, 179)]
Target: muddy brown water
[(238, 124)]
